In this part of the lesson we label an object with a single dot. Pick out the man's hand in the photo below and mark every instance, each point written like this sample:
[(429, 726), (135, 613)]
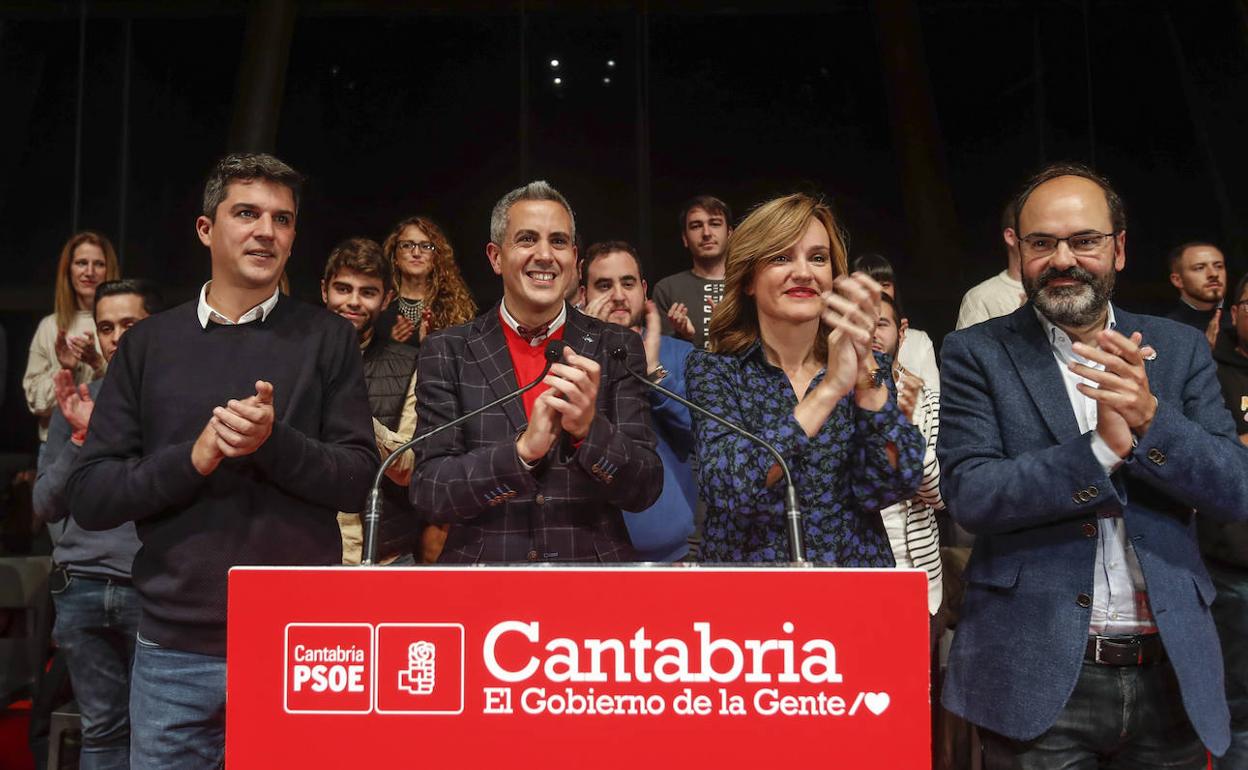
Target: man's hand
[(206, 453), (678, 316), (542, 431), (1211, 331), (652, 336), (908, 387), (402, 330), (600, 307), (1111, 427), (243, 426), (576, 381), (74, 400), (1122, 388)]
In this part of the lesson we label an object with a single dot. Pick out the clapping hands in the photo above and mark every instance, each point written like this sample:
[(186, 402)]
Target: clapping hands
[(852, 309), (72, 350), (235, 430), (1125, 405)]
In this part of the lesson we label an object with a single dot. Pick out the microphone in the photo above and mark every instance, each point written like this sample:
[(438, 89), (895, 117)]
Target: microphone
[(793, 514), (372, 509)]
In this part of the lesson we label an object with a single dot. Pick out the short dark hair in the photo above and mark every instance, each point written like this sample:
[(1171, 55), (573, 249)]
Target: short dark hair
[(1241, 287), (708, 203), (245, 167), (1117, 209), (1175, 257), (602, 249), (148, 291), (1009, 218), (362, 255), (887, 300), (875, 265)]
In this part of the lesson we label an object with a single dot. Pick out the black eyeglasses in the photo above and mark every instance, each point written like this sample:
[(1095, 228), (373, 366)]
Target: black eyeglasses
[(1083, 244), (409, 246)]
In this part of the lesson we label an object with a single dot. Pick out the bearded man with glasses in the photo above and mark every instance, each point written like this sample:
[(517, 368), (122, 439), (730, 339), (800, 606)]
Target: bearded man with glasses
[(1079, 443)]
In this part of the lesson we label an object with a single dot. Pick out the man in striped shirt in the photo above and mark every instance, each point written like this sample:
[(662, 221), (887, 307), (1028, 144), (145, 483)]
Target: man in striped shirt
[(911, 524)]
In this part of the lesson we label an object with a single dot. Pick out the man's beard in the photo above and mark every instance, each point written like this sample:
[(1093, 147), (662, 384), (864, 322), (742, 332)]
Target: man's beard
[(1209, 293), (1072, 306), (634, 319)]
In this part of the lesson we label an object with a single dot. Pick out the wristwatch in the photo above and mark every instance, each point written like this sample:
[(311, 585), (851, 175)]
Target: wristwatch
[(657, 374)]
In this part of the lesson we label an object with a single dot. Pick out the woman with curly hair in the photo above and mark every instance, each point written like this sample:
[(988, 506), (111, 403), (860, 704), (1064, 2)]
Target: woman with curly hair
[(431, 292), (66, 338), (791, 361)]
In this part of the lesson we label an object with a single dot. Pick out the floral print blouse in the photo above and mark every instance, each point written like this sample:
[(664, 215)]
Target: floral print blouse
[(842, 475)]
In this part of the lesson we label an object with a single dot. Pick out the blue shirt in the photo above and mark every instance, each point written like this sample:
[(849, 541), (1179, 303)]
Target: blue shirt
[(661, 532), (842, 475)]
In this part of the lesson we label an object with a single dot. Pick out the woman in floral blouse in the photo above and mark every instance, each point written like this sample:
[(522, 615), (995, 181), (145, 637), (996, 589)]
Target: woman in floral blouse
[(792, 362)]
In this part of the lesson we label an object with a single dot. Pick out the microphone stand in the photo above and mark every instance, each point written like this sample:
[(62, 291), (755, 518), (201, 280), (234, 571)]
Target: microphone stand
[(372, 508), (793, 514)]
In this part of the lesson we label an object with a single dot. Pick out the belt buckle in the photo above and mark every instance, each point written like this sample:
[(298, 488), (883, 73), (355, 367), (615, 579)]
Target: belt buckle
[(1135, 642)]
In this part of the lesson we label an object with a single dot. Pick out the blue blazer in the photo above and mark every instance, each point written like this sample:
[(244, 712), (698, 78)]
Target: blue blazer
[(1017, 473)]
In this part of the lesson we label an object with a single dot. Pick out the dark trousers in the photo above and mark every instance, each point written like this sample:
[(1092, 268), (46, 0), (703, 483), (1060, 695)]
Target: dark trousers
[(1118, 717), (1230, 615)]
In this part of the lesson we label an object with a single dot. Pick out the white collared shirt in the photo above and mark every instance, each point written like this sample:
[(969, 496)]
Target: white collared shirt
[(539, 339), (1119, 596), (208, 313)]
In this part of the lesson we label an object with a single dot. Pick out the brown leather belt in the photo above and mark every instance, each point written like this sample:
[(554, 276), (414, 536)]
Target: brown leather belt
[(1140, 650)]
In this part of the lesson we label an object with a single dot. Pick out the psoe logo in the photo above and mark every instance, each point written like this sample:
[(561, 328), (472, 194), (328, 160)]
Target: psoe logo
[(328, 668), (421, 673), (419, 668)]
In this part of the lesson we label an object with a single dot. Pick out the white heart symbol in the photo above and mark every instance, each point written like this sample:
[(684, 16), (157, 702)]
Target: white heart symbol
[(877, 702)]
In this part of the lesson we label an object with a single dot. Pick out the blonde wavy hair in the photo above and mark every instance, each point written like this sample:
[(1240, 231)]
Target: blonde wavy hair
[(447, 296), (766, 231), (66, 302)]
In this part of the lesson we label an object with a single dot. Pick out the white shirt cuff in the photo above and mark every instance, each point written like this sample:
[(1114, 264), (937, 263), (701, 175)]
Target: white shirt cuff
[(1107, 457)]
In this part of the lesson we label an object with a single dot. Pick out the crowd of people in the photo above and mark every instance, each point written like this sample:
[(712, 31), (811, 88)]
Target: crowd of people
[(1096, 457)]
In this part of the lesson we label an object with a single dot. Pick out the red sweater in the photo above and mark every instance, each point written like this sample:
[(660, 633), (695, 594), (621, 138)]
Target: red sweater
[(528, 361)]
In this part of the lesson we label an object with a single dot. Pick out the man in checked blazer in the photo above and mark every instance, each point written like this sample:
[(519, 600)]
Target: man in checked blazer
[(1078, 443), (543, 478)]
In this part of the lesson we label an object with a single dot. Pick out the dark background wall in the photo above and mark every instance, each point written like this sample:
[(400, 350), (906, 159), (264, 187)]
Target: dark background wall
[(915, 117)]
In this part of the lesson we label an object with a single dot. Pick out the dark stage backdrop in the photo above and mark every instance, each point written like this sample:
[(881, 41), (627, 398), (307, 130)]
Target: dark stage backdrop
[(915, 117)]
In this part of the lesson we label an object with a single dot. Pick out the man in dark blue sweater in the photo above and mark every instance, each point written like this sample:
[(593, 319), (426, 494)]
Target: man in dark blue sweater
[(231, 430)]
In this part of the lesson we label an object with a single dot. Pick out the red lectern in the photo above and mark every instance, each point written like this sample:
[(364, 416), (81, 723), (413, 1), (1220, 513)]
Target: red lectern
[(554, 667)]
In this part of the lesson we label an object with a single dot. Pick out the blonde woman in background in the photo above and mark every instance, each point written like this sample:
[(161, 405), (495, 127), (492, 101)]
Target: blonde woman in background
[(66, 338)]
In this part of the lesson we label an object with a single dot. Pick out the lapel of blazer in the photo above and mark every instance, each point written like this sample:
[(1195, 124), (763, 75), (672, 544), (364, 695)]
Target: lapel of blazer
[(1130, 323), (1033, 358), (580, 336), (487, 347)]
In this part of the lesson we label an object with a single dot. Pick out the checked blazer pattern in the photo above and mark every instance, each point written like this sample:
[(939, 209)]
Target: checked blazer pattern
[(566, 509)]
